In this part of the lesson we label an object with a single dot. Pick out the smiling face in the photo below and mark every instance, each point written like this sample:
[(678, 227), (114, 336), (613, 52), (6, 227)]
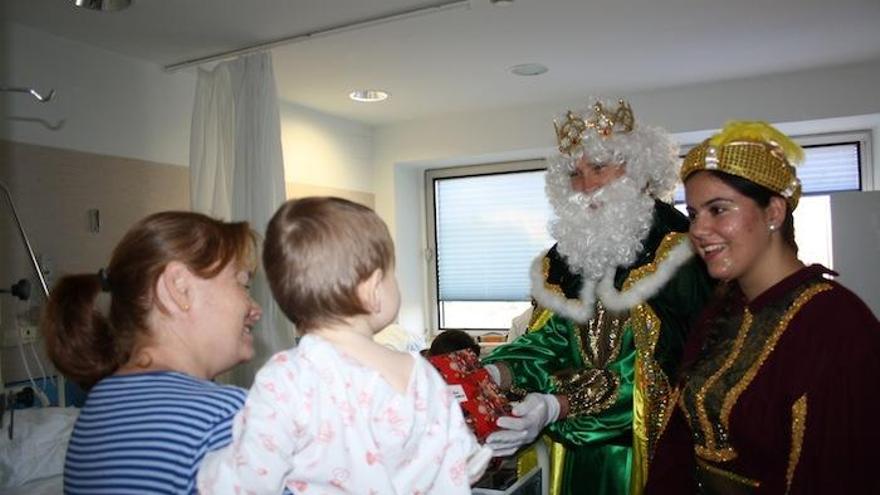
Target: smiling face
[(227, 313), (729, 230)]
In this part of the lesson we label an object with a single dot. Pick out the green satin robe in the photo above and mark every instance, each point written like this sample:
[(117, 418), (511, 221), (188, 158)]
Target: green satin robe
[(598, 448), (598, 452)]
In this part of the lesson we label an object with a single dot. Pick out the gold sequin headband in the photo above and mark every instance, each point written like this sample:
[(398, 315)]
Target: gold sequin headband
[(755, 151)]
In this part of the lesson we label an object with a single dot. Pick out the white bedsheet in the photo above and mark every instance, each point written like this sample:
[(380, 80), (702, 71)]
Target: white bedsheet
[(35, 454), (45, 486)]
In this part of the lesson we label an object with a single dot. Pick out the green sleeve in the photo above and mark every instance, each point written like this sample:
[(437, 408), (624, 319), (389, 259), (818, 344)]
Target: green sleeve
[(534, 357)]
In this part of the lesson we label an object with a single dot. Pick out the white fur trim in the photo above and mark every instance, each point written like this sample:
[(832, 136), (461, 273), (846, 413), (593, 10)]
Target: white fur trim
[(645, 288), (582, 309), (579, 310)]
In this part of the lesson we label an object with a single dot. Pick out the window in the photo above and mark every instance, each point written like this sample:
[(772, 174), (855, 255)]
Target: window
[(487, 223)]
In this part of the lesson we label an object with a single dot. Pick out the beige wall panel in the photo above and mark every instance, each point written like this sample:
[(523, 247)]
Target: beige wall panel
[(53, 190)]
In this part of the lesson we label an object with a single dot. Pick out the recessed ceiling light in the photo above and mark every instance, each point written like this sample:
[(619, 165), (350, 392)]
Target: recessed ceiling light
[(103, 5), (528, 69), (368, 95)]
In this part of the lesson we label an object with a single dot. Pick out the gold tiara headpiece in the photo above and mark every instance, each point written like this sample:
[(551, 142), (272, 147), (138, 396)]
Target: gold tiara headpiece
[(755, 151), (571, 132)]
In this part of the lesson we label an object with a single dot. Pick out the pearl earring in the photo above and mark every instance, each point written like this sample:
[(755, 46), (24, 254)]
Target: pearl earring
[(772, 228)]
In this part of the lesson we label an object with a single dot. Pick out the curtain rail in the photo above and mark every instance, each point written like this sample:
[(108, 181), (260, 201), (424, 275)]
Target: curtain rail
[(321, 33)]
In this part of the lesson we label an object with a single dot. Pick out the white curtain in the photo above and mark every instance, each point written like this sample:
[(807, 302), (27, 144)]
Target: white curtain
[(237, 173)]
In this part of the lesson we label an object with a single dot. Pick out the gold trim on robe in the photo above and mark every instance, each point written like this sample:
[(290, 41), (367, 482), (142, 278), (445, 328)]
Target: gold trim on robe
[(798, 426)]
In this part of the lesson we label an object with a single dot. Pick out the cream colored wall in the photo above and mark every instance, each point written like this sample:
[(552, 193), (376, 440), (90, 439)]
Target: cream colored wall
[(299, 190), (323, 151), (53, 189)]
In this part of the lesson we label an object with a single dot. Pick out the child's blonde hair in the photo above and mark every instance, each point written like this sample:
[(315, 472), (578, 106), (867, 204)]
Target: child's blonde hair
[(317, 251)]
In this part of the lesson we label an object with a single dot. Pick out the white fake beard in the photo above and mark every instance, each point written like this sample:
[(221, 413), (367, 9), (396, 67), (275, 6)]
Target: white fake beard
[(600, 230)]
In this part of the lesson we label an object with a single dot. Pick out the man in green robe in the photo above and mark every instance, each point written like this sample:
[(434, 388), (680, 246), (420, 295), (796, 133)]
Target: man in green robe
[(614, 299)]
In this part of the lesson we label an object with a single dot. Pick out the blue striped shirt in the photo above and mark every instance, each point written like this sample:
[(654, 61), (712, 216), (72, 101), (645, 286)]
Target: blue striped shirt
[(147, 433)]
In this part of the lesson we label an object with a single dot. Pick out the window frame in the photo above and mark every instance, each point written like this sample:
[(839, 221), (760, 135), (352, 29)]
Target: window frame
[(430, 177), (861, 137)]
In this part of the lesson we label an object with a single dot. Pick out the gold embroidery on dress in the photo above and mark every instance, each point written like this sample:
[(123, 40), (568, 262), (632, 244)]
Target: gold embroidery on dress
[(798, 426), (737, 390), (681, 405), (710, 450), (671, 402), (738, 478), (714, 444)]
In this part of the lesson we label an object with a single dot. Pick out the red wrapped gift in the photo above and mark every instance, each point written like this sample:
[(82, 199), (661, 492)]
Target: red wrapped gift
[(481, 400)]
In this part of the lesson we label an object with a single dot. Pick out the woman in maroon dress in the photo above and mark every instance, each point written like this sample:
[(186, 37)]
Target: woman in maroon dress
[(778, 390)]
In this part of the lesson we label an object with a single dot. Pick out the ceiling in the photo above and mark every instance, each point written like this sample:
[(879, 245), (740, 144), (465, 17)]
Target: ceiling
[(457, 59)]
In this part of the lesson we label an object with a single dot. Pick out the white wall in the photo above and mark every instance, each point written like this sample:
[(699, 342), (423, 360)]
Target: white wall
[(855, 217), (405, 150), (327, 151), (110, 104), (105, 103)]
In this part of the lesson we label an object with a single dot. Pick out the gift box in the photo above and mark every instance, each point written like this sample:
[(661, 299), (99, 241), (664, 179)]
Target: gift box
[(482, 402)]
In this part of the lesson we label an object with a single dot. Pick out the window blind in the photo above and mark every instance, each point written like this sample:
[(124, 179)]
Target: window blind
[(489, 228)]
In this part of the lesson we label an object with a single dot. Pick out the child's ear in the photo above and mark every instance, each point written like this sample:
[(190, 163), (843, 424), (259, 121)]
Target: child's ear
[(368, 292), (174, 288)]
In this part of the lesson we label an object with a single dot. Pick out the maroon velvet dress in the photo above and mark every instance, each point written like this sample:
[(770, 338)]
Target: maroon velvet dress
[(779, 395)]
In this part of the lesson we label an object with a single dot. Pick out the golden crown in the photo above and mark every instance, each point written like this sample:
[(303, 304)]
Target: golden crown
[(571, 132), (755, 151)]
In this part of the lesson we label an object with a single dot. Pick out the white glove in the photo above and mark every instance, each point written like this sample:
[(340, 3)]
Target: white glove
[(494, 373), (529, 418), (477, 463)]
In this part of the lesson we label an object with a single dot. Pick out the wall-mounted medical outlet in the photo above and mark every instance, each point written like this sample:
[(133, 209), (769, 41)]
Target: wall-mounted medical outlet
[(26, 334)]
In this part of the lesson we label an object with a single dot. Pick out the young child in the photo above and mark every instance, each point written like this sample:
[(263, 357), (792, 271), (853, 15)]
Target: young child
[(451, 341), (340, 413)]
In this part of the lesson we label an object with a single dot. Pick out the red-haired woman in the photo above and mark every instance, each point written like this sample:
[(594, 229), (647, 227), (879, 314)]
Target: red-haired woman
[(179, 314)]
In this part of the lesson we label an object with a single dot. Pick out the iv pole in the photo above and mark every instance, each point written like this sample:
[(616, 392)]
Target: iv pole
[(27, 243)]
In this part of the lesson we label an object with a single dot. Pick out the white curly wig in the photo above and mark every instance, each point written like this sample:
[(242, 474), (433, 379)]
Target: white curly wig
[(650, 153), (592, 238)]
